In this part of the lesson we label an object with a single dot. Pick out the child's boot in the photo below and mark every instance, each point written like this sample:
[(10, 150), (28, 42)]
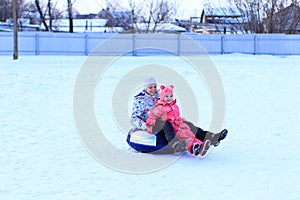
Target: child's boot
[(223, 135), (196, 149), (204, 148)]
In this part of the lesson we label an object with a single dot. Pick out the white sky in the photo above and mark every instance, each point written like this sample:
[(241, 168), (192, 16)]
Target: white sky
[(188, 8)]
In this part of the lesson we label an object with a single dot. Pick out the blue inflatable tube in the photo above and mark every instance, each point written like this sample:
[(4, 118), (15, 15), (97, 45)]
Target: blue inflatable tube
[(144, 142)]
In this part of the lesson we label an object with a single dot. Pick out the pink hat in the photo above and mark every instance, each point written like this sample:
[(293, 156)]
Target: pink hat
[(165, 90)]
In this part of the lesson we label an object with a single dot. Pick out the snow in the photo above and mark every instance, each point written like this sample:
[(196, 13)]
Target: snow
[(85, 25), (42, 155), (160, 27)]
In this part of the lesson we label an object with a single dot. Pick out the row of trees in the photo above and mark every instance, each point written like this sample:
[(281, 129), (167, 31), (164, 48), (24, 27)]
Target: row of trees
[(26, 9), (145, 16), (259, 16), (265, 16), (150, 13), (6, 8)]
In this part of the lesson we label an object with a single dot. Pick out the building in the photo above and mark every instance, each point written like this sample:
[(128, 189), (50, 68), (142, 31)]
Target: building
[(81, 25), (221, 16), (23, 25), (218, 20), (116, 19), (286, 21)]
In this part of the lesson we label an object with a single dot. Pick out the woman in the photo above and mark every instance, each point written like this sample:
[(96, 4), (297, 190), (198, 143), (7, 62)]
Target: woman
[(164, 130)]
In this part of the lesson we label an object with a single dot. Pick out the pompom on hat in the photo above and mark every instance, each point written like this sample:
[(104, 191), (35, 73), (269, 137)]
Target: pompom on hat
[(165, 90), (148, 82)]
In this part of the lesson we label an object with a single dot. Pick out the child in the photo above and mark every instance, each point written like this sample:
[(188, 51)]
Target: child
[(166, 109), (164, 131)]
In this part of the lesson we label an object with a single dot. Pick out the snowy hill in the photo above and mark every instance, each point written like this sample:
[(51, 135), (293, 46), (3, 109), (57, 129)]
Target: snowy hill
[(42, 156)]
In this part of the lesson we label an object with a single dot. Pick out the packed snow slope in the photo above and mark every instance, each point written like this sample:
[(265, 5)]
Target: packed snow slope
[(42, 155)]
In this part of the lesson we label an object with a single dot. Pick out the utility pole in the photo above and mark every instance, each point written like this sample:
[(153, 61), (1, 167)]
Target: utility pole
[(15, 18)]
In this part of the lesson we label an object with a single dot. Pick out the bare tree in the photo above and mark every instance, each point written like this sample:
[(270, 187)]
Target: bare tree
[(54, 13), (118, 15), (145, 16), (26, 11), (70, 13), (42, 16), (5, 10), (250, 12), (150, 14), (285, 19), (266, 16), (49, 8), (48, 13)]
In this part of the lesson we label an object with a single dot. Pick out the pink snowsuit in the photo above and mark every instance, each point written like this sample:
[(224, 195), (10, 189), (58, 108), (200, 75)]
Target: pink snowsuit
[(170, 112)]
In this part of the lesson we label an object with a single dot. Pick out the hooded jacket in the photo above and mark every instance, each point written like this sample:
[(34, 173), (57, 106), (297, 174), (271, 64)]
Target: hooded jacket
[(165, 112), (142, 103), (168, 112)]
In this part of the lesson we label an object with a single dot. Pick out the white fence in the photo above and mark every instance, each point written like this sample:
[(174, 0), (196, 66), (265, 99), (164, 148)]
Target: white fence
[(44, 43)]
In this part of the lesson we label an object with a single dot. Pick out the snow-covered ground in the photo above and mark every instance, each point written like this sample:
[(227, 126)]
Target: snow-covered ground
[(42, 156)]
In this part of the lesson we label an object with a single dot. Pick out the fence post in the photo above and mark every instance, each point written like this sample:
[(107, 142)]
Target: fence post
[(133, 45), (37, 44), (86, 40), (178, 44), (222, 44), (255, 44)]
